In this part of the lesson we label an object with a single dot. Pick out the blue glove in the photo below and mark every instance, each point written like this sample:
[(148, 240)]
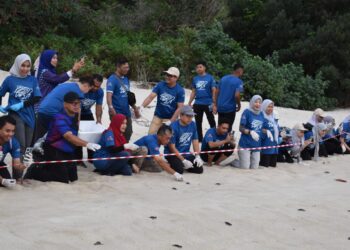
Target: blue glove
[(16, 107), (3, 110)]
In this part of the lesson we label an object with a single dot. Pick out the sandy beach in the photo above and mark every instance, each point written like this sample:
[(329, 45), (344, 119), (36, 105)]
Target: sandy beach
[(292, 206)]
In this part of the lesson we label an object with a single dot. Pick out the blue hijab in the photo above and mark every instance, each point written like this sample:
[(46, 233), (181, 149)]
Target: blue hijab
[(45, 62)]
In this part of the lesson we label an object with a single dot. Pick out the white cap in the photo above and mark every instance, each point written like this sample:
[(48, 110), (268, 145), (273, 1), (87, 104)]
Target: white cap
[(299, 126), (319, 112), (173, 71)]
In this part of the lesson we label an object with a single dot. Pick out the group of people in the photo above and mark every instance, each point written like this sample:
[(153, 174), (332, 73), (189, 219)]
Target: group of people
[(43, 104)]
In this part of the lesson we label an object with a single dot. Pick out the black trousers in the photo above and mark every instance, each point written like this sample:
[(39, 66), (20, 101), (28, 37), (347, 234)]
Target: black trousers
[(79, 152), (217, 155), (60, 172), (200, 110), (230, 116), (4, 173), (268, 160), (333, 146), (41, 126), (283, 154), (308, 153), (178, 166)]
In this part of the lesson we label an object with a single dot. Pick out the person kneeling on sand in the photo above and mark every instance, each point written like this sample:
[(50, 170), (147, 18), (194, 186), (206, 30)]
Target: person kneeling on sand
[(319, 130), (345, 135), (114, 144), (218, 139), (153, 142), (9, 144), (60, 144), (184, 134), (298, 141)]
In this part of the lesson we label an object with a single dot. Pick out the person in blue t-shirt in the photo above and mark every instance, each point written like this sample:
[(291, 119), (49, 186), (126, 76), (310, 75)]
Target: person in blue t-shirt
[(250, 127), (268, 157), (345, 135), (60, 144), (53, 102), (23, 94), (218, 139), (184, 135), (153, 143), (170, 98), (203, 94), (331, 138), (9, 144), (117, 97), (228, 95)]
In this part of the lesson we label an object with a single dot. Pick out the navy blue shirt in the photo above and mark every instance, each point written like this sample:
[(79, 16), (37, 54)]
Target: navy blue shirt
[(167, 99), (90, 99), (251, 121), (12, 147), (229, 85), (120, 96), (212, 136), (151, 142), (203, 86)]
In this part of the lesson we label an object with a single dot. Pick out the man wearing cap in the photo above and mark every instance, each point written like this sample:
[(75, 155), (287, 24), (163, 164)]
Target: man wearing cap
[(228, 95), (184, 134), (61, 143), (118, 86), (170, 99)]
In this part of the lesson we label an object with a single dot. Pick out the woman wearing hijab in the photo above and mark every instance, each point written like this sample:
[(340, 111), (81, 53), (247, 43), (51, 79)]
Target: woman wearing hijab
[(270, 135), (23, 94), (331, 140), (46, 74), (113, 144), (299, 143), (251, 125), (345, 135), (319, 130)]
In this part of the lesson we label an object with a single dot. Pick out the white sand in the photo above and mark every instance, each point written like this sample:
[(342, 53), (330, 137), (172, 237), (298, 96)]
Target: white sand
[(261, 205)]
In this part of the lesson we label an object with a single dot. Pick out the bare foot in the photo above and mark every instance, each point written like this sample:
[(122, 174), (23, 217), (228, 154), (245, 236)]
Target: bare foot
[(135, 168)]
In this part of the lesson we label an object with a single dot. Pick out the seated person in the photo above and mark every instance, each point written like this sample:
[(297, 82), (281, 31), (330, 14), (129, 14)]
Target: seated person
[(217, 139), (309, 151), (317, 117), (152, 143), (331, 139), (9, 144), (60, 144), (285, 138), (299, 143), (113, 144), (345, 135), (184, 134)]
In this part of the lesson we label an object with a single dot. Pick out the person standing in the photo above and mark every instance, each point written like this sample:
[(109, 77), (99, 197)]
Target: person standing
[(118, 86), (170, 99), (23, 94), (203, 92), (228, 95)]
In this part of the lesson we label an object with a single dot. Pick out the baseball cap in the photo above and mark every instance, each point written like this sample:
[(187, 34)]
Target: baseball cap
[(299, 126), (187, 110), (71, 97), (173, 71), (319, 112)]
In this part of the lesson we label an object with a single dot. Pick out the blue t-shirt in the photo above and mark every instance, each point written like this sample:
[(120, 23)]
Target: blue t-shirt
[(182, 137), (20, 90), (61, 124), (106, 140), (229, 85), (203, 86), (346, 128), (90, 99), (167, 99), (53, 102), (251, 121), (151, 143), (12, 147), (120, 96), (212, 136), (266, 142)]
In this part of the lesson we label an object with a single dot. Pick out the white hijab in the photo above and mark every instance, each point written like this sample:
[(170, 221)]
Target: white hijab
[(251, 104), (16, 67), (270, 117)]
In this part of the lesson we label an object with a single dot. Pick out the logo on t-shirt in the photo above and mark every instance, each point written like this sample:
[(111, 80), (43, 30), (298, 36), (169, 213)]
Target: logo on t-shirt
[(256, 125), (200, 85), (185, 139), (166, 99), (87, 103), (22, 93)]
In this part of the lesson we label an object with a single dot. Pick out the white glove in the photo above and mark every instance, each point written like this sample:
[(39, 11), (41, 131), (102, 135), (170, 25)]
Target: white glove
[(141, 110), (178, 176), (93, 146), (269, 135), (1, 155), (8, 182), (343, 148), (38, 146), (28, 159), (199, 162), (167, 123), (254, 135), (283, 133), (187, 164), (131, 146)]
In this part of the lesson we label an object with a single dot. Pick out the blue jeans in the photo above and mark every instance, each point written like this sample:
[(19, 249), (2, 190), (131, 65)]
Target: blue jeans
[(114, 167)]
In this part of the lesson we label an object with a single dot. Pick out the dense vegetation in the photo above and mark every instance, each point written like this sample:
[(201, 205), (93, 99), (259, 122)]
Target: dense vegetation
[(154, 35)]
